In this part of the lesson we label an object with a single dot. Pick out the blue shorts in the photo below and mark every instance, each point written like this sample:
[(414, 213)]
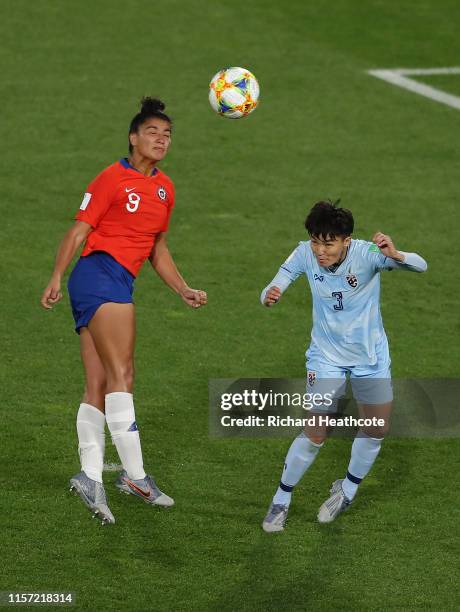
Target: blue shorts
[(96, 279), (371, 384)]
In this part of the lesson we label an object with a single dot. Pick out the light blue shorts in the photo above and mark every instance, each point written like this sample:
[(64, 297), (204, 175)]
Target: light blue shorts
[(371, 384)]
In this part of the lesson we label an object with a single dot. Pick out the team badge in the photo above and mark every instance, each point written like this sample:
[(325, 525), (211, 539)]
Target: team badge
[(162, 193), (319, 277), (311, 377), (352, 280)]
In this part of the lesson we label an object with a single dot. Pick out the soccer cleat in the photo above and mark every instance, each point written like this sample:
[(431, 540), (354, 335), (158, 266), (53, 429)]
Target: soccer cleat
[(276, 518), (145, 488), (92, 494), (334, 505)]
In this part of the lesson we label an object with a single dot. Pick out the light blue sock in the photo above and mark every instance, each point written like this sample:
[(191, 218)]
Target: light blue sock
[(363, 454), (299, 458)]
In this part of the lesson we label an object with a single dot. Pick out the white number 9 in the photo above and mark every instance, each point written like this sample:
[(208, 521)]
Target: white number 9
[(133, 203)]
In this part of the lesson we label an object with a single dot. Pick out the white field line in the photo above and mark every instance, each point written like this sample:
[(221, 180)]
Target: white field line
[(399, 77), (420, 71)]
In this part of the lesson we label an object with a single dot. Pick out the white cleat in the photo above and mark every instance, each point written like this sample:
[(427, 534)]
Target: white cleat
[(275, 519), (334, 505)]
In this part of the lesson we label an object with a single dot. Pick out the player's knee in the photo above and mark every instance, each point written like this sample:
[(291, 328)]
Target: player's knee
[(122, 377), (316, 438), (377, 431)]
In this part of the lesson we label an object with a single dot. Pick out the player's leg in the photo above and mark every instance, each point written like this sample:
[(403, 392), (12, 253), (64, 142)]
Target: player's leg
[(299, 458), (373, 392), (91, 436), (113, 331), (366, 446), (306, 446), (90, 417), (95, 377)]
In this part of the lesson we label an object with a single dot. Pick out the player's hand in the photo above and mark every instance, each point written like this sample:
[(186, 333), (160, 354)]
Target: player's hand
[(272, 296), (386, 246), (52, 294), (194, 297)]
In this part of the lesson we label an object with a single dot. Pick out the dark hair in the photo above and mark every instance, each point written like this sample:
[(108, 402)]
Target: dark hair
[(326, 220), (150, 107)]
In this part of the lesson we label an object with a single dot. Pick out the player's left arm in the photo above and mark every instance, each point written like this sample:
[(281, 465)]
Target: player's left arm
[(162, 262), (395, 259)]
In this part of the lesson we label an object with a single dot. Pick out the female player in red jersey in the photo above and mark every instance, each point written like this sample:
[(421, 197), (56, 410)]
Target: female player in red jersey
[(124, 218)]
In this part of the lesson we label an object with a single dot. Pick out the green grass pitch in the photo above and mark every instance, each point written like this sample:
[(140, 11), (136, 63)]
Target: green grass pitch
[(72, 76)]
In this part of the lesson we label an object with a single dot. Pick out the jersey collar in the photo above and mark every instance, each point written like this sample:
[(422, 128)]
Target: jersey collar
[(125, 163)]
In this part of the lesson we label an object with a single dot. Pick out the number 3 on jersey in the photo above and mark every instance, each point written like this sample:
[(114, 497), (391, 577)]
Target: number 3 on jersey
[(338, 295), (133, 203)]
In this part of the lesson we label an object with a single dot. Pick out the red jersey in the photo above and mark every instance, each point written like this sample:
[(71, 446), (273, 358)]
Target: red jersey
[(126, 210)]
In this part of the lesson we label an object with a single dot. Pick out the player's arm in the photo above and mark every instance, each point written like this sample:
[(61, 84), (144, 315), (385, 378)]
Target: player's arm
[(395, 259), (289, 271), (162, 262), (67, 249)]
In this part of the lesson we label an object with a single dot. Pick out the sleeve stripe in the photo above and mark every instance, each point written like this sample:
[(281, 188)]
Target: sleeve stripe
[(86, 198)]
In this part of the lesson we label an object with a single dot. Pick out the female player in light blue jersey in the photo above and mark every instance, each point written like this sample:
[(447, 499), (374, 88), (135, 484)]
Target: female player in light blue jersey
[(347, 338)]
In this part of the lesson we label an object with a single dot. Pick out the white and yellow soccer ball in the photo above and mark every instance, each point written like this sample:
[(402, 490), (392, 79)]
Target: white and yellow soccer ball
[(234, 92)]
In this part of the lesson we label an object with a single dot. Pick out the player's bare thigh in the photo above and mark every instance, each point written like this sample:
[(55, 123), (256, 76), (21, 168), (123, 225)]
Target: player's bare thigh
[(95, 378), (113, 330), (379, 411)]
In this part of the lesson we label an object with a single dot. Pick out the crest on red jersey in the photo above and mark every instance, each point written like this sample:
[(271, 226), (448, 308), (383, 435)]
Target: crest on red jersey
[(162, 193)]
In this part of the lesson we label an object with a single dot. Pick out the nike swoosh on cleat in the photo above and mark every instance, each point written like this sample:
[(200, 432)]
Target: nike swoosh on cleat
[(128, 190), (138, 489)]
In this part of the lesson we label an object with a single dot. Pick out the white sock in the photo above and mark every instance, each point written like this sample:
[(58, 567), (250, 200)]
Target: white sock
[(91, 440), (299, 458), (121, 421), (363, 454)]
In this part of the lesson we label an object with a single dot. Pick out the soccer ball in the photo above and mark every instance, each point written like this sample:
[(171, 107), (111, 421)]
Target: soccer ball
[(234, 92)]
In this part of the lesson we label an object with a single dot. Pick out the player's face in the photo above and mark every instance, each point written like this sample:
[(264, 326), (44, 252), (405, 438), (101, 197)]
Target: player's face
[(329, 251), (152, 139)]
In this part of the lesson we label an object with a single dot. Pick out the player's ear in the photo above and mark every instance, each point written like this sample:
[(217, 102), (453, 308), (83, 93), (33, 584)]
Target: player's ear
[(347, 241), (133, 139)]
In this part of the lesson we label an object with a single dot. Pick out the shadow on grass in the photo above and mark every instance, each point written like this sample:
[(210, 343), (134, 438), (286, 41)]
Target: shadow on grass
[(308, 565)]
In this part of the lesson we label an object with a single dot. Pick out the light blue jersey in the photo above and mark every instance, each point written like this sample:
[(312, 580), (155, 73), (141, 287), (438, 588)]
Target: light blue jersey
[(347, 323)]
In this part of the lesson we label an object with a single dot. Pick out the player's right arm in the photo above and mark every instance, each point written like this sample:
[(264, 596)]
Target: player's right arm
[(290, 270), (96, 202), (272, 296), (67, 249)]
